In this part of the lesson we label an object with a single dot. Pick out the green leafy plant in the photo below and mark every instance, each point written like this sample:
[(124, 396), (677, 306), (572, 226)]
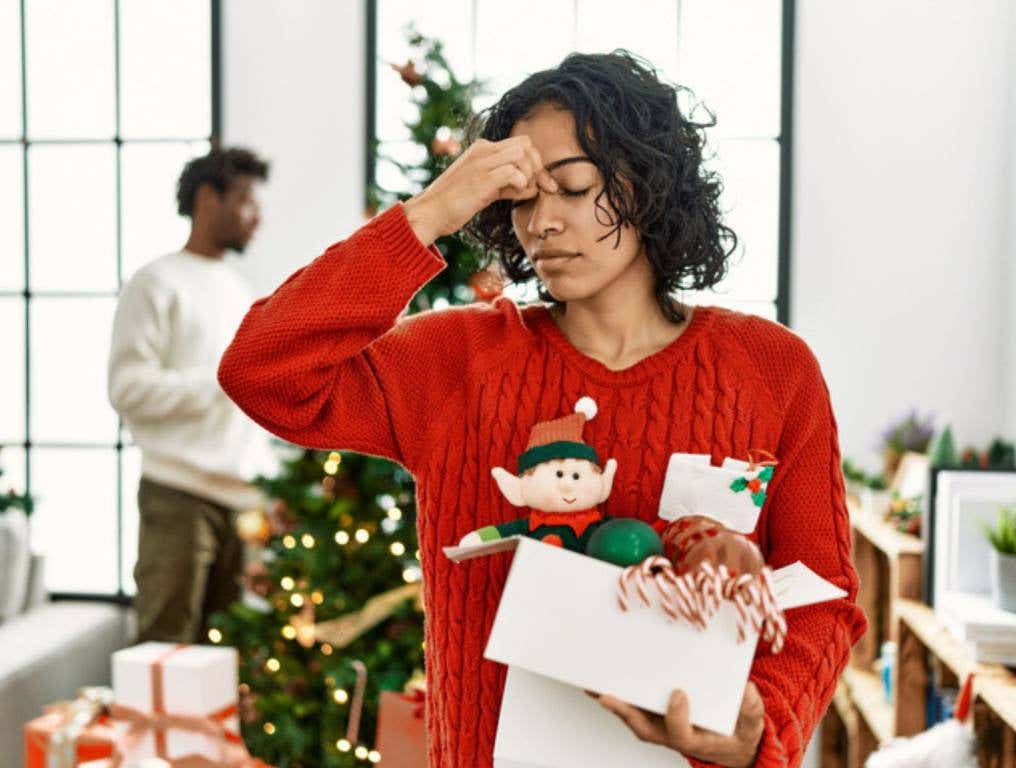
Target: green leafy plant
[(1003, 535), (855, 474), (12, 500)]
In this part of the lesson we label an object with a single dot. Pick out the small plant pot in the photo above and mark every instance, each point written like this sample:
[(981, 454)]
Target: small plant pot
[(1003, 580)]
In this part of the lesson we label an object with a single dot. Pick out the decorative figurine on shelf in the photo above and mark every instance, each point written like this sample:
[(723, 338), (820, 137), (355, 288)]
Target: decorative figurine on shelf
[(560, 480)]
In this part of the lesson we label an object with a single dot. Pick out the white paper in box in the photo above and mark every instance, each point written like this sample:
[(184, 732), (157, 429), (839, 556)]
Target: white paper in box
[(196, 680), (559, 617)]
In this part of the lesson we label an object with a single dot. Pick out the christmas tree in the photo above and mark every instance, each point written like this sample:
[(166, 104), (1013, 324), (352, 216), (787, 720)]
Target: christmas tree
[(331, 614)]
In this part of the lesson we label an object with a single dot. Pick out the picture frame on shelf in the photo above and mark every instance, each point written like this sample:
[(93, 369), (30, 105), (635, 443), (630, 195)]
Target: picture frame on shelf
[(958, 499)]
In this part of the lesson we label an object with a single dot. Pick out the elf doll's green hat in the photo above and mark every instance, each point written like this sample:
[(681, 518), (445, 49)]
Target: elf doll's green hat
[(560, 438)]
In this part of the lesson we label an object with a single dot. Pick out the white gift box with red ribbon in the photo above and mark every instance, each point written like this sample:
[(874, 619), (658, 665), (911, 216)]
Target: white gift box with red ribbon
[(178, 684)]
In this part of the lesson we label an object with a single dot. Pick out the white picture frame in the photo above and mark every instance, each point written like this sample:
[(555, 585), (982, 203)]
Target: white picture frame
[(964, 501)]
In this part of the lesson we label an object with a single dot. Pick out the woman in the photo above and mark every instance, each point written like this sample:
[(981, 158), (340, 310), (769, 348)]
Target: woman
[(589, 176)]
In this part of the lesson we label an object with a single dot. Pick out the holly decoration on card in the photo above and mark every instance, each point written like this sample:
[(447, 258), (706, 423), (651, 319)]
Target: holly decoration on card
[(756, 486)]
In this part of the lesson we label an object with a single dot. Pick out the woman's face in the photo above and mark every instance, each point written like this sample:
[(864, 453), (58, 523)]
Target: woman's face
[(561, 233)]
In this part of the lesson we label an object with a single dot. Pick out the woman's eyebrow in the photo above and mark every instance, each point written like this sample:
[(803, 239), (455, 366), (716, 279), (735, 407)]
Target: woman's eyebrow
[(566, 161)]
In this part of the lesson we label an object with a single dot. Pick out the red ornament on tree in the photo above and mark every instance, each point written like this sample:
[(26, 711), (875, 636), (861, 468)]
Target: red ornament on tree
[(408, 73), (444, 143), (487, 284)]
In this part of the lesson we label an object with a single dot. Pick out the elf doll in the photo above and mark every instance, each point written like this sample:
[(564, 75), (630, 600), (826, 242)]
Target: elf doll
[(560, 481)]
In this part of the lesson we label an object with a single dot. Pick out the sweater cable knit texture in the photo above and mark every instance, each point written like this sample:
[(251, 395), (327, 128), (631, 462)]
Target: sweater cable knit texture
[(330, 361)]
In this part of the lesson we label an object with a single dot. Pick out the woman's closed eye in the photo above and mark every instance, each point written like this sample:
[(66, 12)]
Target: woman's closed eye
[(562, 191)]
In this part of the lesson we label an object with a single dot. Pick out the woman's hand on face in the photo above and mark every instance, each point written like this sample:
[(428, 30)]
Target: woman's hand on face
[(487, 171), (674, 730)]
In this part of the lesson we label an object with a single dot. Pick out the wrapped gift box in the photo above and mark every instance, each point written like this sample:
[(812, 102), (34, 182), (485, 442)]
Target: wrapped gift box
[(401, 733), (195, 681), (95, 741)]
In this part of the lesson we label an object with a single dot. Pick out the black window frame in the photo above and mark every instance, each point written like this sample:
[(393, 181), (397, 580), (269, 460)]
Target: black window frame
[(28, 294)]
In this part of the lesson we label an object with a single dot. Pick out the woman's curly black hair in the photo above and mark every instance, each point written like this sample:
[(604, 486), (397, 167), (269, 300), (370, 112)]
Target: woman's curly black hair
[(630, 125)]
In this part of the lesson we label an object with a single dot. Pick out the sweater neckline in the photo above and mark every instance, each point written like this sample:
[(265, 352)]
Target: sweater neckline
[(701, 319)]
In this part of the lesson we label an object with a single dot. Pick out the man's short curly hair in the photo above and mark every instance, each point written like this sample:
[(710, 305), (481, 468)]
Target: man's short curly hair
[(630, 124), (218, 168)]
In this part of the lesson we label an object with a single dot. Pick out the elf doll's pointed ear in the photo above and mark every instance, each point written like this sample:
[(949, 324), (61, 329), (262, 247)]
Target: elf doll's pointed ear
[(607, 479), (510, 485)]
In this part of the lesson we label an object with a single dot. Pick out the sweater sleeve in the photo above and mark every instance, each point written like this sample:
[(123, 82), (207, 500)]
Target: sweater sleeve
[(326, 362), (806, 519), (140, 387)]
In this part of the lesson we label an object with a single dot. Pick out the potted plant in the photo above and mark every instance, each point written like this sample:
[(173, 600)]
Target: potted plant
[(909, 433), (1003, 559)]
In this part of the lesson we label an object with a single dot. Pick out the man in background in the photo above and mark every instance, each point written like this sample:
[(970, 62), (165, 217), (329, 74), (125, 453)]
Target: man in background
[(174, 319)]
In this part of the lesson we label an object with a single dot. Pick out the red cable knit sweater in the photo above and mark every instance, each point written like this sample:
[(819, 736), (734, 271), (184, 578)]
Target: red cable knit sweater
[(326, 361)]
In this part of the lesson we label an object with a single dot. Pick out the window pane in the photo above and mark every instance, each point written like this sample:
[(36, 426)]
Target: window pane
[(73, 217), (165, 68), (151, 225), (510, 44), (389, 176), (649, 30), (74, 523), (12, 377), (10, 69), (12, 461), (730, 57), (750, 171), (70, 349), (450, 21), (12, 219), (69, 62), (131, 476)]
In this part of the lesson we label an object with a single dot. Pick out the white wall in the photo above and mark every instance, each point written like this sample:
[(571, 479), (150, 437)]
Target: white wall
[(902, 154), (1010, 344), (904, 270), (294, 90)]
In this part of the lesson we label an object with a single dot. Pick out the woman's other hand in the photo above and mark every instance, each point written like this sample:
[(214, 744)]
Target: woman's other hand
[(674, 730)]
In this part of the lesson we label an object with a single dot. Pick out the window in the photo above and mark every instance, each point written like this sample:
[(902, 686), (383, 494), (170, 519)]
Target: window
[(101, 104), (736, 55)]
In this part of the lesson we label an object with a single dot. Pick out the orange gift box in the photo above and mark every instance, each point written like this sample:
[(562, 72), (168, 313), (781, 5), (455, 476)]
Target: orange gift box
[(94, 742), (401, 732)]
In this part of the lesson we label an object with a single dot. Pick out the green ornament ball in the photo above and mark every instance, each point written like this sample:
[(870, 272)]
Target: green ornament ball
[(624, 542)]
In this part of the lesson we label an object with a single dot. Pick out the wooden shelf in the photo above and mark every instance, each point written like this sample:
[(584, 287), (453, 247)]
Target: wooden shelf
[(1000, 695), (868, 695), (884, 537), (942, 643)]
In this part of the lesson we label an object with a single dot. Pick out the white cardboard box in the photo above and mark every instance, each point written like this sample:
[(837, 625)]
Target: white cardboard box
[(558, 617), (197, 680)]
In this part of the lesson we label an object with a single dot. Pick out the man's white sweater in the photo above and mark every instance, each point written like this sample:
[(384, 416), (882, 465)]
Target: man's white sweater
[(173, 322)]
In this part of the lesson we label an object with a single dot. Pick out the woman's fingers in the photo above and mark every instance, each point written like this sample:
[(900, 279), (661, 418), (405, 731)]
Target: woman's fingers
[(520, 152), (678, 721), (641, 723)]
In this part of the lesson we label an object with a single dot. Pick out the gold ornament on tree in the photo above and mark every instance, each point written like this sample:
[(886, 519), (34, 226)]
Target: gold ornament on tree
[(345, 629), (253, 526)]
